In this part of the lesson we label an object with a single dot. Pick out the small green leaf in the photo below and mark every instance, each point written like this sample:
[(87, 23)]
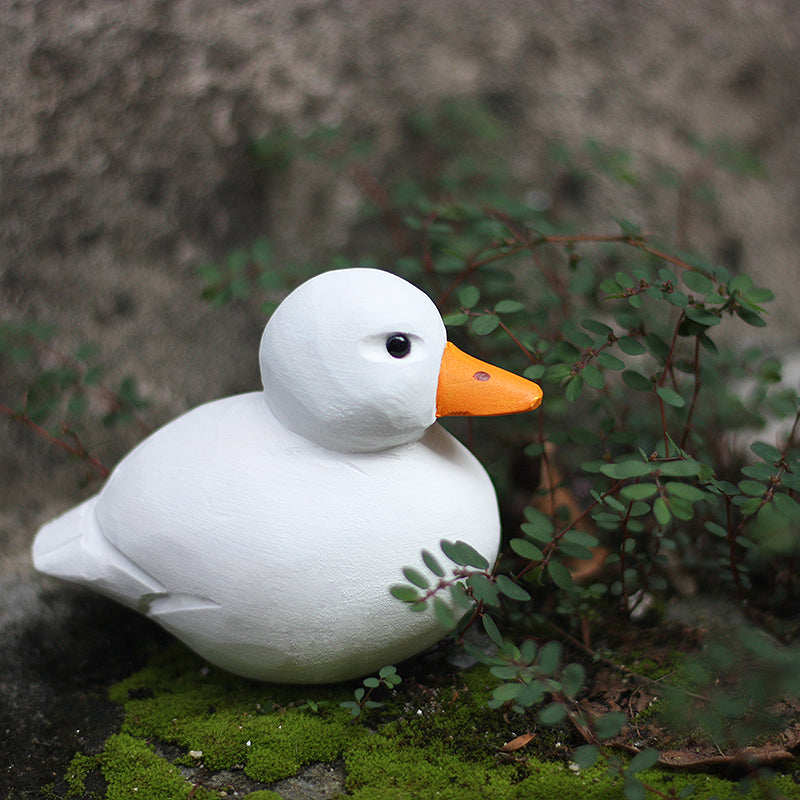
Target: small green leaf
[(577, 339), (534, 372), (625, 470), (753, 488), (629, 229), (506, 692), (574, 550), (608, 361), (492, 631), (552, 714), (657, 346), (560, 575), (679, 468), (463, 554), (702, 317), (636, 381), (525, 549), (483, 589), (432, 564), (508, 307), (593, 377), (635, 300), (716, 529), (572, 678), (758, 296), (539, 526), (573, 388), (610, 288), (511, 589), (408, 594), (416, 577), (595, 326), (483, 325), (444, 614), (580, 537), (685, 491), (609, 725), (531, 694), (697, 282), (468, 296), (633, 789), (624, 280), (556, 373), (759, 471), (786, 505), (678, 299), (586, 756), (631, 346), (528, 650), (661, 511), (670, 397), (638, 491), (549, 657), (505, 672), (644, 760), (455, 319), (460, 596), (766, 451), (371, 683)]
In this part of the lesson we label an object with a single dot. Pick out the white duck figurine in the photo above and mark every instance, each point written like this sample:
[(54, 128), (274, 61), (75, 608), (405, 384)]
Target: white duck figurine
[(264, 530)]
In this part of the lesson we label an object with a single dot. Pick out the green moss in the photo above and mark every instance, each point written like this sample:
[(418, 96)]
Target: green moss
[(285, 742), (262, 794), (176, 699), (132, 769), (428, 742), (77, 772), (385, 767)]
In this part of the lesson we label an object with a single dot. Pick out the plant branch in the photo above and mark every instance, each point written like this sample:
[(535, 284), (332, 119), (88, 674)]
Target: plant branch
[(78, 450)]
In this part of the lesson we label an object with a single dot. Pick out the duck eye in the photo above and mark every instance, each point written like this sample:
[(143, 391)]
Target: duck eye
[(398, 345)]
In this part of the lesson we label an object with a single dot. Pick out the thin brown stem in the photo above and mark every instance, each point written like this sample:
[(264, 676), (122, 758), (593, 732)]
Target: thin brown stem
[(695, 393), (78, 450), (561, 533)]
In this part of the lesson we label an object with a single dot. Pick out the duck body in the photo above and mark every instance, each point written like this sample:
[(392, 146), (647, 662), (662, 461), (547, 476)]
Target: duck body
[(268, 555), (265, 530)]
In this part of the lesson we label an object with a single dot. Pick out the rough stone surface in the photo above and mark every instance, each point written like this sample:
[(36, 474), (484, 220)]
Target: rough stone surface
[(124, 163)]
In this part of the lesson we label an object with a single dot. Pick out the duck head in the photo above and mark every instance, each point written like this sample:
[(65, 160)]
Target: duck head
[(357, 360)]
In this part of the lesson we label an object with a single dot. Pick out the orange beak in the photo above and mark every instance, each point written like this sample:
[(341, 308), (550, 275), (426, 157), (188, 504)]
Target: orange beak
[(472, 388)]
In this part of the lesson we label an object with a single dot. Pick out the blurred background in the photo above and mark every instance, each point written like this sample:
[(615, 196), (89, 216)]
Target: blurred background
[(143, 142)]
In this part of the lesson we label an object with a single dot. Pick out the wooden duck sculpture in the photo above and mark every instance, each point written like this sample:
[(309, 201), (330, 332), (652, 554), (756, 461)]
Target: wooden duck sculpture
[(264, 530)]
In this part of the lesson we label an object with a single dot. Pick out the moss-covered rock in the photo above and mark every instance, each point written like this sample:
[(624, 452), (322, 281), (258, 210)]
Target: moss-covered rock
[(427, 742)]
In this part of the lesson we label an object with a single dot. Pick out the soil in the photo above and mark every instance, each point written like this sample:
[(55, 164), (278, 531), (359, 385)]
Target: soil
[(125, 133)]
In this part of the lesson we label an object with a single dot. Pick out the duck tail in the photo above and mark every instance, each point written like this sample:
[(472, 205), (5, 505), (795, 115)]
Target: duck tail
[(58, 548), (72, 547)]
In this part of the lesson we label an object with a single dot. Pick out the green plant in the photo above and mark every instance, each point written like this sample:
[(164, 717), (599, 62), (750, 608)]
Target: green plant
[(56, 390), (621, 330), (625, 333), (387, 677)]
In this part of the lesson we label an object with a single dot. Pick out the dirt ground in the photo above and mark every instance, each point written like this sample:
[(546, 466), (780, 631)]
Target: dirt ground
[(125, 128)]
